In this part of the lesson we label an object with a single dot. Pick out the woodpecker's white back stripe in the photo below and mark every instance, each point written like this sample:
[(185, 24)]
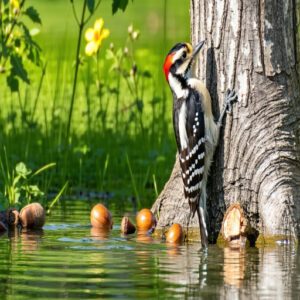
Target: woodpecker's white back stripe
[(193, 188), (196, 172), (176, 87), (182, 127), (194, 150)]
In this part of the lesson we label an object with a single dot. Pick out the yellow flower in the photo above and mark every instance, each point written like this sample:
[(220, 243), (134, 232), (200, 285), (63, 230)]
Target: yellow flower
[(94, 37), (14, 4)]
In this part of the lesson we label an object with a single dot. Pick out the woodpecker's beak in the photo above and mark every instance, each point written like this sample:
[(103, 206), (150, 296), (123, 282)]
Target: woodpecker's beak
[(197, 49)]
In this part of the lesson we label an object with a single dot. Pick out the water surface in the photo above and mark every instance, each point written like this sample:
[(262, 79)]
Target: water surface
[(70, 260)]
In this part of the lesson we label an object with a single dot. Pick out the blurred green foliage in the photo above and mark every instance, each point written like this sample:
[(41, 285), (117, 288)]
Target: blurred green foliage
[(132, 126)]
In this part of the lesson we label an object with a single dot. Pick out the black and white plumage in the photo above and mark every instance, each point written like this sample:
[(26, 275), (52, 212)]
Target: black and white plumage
[(195, 130), (189, 127)]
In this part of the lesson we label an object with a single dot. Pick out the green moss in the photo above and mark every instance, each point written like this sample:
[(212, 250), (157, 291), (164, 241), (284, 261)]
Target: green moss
[(272, 240), (221, 242)]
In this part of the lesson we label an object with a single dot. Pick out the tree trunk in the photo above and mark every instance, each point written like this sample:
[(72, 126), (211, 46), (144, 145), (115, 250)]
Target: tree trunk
[(250, 47)]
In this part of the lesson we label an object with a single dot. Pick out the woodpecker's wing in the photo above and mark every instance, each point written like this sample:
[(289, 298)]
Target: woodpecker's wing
[(192, 157)]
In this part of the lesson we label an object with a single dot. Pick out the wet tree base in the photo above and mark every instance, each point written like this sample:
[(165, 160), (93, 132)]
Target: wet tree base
[(236, 232)]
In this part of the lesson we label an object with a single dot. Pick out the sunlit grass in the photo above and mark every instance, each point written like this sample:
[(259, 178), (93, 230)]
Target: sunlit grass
[(34, 123)]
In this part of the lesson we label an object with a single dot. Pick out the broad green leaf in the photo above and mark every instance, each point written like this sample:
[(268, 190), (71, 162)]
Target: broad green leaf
[(91, 5), (33, 14), (119, 4), (13, 83), (18, 68)]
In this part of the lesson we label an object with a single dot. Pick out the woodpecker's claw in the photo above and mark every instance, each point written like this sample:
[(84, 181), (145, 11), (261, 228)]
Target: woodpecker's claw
[(230, 98)]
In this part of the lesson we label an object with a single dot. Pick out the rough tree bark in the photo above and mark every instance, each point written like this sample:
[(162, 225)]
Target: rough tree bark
[(251, 47)]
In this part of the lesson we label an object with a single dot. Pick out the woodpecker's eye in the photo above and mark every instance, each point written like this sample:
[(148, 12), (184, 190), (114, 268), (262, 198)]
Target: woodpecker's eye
[(184, 54)]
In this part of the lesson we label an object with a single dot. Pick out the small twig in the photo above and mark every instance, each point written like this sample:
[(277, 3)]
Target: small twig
[(75, 14)]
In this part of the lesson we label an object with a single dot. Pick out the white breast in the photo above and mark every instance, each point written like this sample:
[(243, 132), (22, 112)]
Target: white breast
[(176, 87), (182, 126)]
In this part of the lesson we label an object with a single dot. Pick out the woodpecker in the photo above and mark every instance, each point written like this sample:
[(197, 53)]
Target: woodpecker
[(196, 131)]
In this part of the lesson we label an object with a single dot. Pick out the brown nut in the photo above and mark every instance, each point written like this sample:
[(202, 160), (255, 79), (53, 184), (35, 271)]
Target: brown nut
[(101, 217), (174, 234), (32, 216), (145, 220), (126, 226)]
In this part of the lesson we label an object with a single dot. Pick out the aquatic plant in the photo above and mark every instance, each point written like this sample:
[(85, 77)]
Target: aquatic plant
[(19, 188)]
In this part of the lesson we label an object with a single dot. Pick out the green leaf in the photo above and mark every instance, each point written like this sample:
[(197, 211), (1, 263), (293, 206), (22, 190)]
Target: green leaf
[(33, 14), (17, 43), (18, 68), (147, 74), (119, 4), (13, 83), (22, 170), (42, 169), (16, 180), (91, 5), (34, 191)]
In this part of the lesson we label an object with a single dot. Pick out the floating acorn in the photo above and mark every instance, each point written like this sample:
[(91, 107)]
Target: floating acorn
[(145, 220), (32, 216), (126, 226), (101, 217), (174, 234)]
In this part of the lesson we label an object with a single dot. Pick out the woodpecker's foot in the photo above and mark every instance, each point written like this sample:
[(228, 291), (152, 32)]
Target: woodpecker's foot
[(230, 98)]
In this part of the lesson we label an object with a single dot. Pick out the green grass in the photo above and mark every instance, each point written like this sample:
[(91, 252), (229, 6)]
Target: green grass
[(134, 159)]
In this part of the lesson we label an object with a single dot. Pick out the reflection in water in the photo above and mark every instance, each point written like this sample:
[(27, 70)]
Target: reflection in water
[(234, 266), (280, 264), (100, 233), (31, 239), (185, 266), (144, 237), (266, 273), (71, 260), (26, 240)]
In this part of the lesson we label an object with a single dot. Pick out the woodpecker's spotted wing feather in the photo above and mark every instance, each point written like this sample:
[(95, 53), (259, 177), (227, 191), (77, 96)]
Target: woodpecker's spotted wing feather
[(192, 156)]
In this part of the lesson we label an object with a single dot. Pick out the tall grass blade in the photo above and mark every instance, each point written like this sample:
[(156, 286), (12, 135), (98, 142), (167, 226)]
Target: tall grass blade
[(104, 170), (42, 169), (57, 197), (155, 185), (134, 186)]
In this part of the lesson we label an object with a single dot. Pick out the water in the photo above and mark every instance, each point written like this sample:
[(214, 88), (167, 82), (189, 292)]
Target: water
[(69, 260)]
